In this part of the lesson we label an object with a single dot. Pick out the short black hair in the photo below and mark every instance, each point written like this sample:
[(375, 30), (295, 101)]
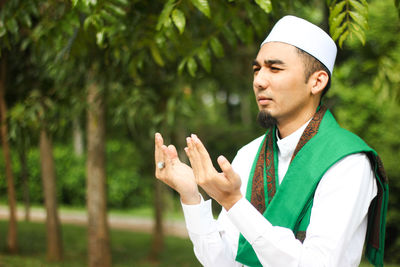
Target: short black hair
[(311, 65)]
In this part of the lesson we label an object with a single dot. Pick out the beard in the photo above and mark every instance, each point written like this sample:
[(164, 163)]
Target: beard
[(265, 119)]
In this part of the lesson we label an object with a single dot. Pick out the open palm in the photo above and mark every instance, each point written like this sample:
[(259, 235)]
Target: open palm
[(175, 174)]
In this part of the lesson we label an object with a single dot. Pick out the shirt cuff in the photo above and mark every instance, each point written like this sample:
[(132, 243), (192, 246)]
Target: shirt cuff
[(199, 219), (248, 220)]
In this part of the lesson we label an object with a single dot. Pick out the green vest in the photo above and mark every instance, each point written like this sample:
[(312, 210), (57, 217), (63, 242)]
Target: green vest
[(292, 203)]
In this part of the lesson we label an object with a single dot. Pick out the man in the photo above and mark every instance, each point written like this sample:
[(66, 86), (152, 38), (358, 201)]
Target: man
[(307, 193)]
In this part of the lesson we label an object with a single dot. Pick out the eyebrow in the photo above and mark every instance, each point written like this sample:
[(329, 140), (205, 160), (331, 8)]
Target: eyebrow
[(269, 62)]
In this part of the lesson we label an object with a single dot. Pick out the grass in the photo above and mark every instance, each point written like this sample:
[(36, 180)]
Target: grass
[(128, 248)]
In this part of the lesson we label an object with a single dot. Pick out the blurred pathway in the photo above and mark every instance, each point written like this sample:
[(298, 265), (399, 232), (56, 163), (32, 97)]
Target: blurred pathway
[(173, 227)]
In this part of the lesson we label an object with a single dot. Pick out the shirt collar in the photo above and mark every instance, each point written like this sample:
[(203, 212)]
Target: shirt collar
[(288, 144)]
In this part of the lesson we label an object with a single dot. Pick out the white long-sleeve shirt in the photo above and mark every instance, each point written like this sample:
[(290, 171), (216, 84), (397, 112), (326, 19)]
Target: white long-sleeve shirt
[(334, 237)]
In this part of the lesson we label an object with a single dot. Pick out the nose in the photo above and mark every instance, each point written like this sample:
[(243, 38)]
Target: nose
[(260, 80)]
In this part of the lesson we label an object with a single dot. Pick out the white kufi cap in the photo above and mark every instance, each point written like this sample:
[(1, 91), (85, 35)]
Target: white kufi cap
[(306, 36)]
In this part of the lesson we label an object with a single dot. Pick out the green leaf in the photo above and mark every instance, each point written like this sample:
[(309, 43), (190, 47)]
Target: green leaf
[(342, 38), (165, 13), (116, 9), (360, 8), (160, 39), (38, 32), (27, 20), (359, 19), (192, 66), (3, 30), (254, 17), (88, 21), (90, 2), (179, 20), (33, 9), (168, 23), (360, 35), (240, 29), (229, 35), (122, 2), (265, 5), (338, 31), (334, 24), (107, 16), (25, 43), (181, 66), (100, 38), (356, 29), (335, 11), (74, 3), (96, 21), (156, 55), (205, 59), (249, 10), (12, 26), (203, 6), (216, 47)]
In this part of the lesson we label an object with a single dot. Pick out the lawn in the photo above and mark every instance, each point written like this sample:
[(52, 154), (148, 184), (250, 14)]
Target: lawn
[(128, 248)]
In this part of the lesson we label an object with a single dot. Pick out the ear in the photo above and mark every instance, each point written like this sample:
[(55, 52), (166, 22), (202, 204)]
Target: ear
[(318, 81)]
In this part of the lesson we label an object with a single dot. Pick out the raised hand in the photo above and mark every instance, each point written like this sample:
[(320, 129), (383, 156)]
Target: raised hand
[(223, 187), (174, 173)]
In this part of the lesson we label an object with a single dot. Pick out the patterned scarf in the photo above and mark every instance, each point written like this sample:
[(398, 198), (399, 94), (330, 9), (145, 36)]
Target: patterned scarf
[(266, 165)]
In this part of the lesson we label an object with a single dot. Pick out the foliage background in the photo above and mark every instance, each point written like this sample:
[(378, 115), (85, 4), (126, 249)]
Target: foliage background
[(181, 67)]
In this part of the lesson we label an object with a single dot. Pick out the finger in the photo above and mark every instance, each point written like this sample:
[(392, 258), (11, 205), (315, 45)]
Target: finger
[(158, 154), (226, 167), (189, 151), (158, 143), (202, 153), (192, 157), (159, 139), (172, 152), (166, 156)]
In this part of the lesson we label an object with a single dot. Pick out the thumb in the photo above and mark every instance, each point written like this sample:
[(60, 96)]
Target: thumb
[(226, 167)]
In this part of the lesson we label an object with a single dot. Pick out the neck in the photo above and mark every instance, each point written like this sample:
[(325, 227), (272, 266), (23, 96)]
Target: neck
[(289, 126)]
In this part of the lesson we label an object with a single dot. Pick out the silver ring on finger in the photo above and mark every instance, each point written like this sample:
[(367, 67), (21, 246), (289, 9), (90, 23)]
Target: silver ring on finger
[(161, 165)]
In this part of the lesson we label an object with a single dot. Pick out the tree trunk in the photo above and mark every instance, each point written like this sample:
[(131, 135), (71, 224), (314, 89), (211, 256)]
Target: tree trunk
[(98, 233), (158, 233), (24, 177), (78, 137), (12, 226), (53, 229)]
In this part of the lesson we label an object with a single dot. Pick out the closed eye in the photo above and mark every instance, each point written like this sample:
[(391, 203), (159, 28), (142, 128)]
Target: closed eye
[(275, 69), (275, 65)]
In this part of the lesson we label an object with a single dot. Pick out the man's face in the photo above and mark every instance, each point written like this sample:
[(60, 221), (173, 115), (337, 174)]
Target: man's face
[(279, 82)]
